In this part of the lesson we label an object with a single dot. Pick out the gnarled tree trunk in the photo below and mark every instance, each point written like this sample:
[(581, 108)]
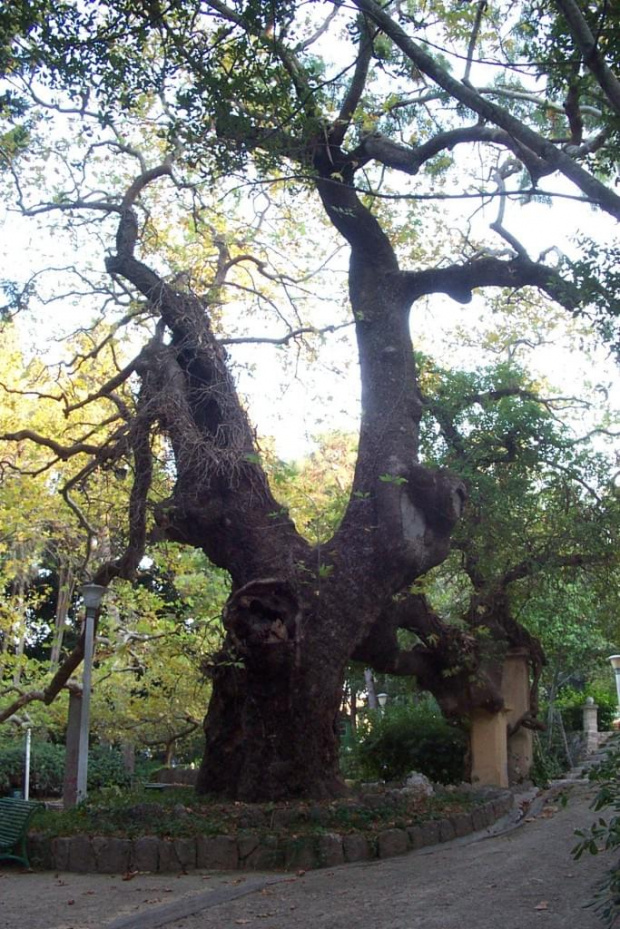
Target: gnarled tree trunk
[(297, 614)]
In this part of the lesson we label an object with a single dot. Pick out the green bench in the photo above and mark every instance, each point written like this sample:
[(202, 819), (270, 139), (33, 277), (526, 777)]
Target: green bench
[(15, 816)]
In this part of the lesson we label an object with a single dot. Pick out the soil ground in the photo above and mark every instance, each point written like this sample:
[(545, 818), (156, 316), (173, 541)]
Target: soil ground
[(520, 879)]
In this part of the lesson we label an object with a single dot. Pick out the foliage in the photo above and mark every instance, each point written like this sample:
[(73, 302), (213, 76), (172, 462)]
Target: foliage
[(152, 637), (604, 834), (413, 737), (47, 764), (132, 813), (570, 703), (540, 529), (547, 764)]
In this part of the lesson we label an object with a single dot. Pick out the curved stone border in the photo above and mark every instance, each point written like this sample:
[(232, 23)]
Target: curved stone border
[(251, 851)]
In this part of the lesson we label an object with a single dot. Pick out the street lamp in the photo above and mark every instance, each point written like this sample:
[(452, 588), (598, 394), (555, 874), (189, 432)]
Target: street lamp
[(382, 699), (92, 594), (615, 663)]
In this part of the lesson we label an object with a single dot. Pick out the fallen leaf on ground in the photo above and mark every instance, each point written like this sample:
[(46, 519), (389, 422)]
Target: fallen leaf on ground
[(549, 811), (129, 875), (543, 905)]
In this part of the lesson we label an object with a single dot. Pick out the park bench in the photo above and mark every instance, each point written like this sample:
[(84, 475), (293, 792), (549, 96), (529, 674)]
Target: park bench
[(15, 816)]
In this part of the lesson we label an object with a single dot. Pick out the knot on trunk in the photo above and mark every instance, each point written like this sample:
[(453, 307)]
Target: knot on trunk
[(440, 495), (262, 618)]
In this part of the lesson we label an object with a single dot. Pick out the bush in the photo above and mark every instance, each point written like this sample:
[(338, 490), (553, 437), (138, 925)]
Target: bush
[(47, 764), (548, 762), (570, 703), (47, 768), (415, 737), (106, 769), (604, 834)]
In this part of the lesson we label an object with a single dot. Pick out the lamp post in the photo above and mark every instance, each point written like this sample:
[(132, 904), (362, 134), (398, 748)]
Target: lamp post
[(382, 699), (27, 764), (615, 663), (92, 594)]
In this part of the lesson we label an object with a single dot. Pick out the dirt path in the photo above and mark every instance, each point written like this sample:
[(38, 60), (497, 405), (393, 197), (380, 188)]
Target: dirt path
[(520, 880)]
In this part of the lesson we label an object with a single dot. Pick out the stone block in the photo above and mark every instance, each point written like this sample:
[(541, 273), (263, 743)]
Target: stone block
[(300, 853), (462, 823), (111, 854), (60, 853), (217, 853), (502, 805), (392, 842), (166, 857), (481, 817), (40, 852), (144, 855), (430, 832), (81, 855), (267, 856), (356, 847), (185, 851), (447, 832), (246, 844), (329, 850), (416, 837)]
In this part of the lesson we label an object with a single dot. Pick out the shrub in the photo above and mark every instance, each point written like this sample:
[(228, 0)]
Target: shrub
[(604, 834), (570, 704), (106, 769), (47, 763), (47, 766), (548, 762), (415, 737)]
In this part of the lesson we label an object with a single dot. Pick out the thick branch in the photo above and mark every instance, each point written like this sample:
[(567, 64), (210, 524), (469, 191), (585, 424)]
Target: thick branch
[(409, 159), (596, 191), (588, 46), (533, 564), (21, 701), (355, 90), (222, 501), (446, 661), (459, 281), (62, 452)]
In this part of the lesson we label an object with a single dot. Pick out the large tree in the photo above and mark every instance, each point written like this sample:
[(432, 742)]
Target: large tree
[(352, 109)]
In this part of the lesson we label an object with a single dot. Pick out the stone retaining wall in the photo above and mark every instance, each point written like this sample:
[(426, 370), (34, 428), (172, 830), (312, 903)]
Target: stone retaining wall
[(252, 851)]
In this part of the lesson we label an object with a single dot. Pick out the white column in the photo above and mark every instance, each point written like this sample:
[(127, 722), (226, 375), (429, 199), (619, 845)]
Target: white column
[(82, 767)]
